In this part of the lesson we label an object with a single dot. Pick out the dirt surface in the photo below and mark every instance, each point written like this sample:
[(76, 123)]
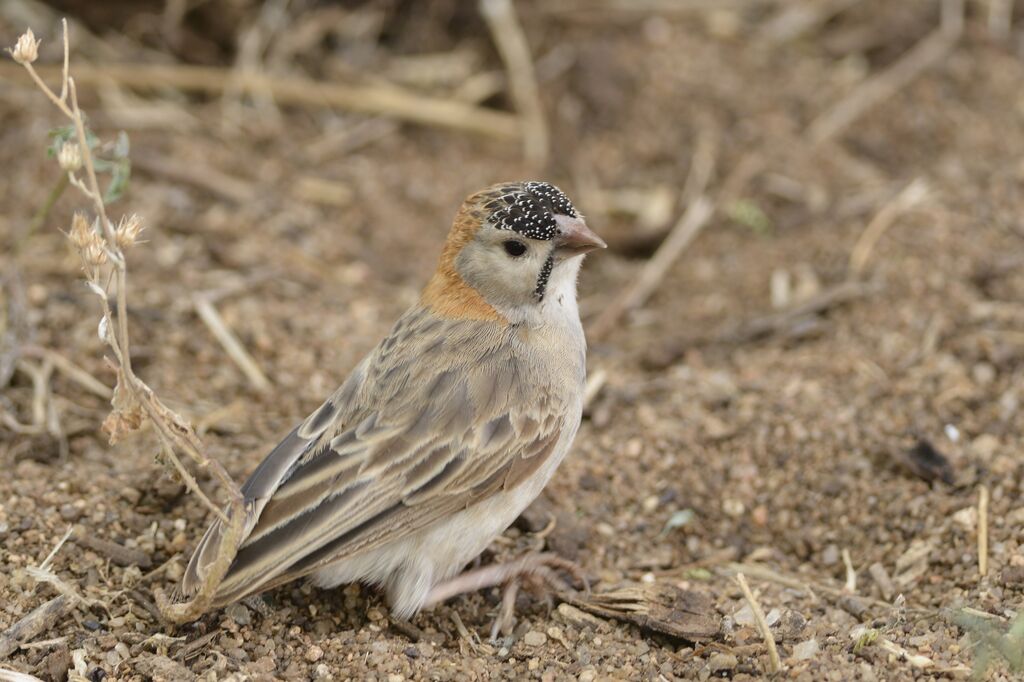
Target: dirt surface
[(865, 429)]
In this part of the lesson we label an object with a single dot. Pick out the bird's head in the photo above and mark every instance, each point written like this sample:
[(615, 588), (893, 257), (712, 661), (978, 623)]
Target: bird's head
[(509, 246)]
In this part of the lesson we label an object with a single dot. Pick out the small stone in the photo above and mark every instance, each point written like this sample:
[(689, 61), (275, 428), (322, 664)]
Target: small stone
[(805, 650), (412, 652), (830, 555), (69, 512), (1013, 575), (535, 638), (588, 675), (722, 661), (314, 653), (238, 613), (323, 672)]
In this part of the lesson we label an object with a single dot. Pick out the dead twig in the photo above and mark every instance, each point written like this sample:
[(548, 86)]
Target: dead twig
[(234, 348), (983, 530), (510, 40), (929, 51), (101, 246), (71, 371), (762, 623), (689, 226), (38, 621), (910, 196), (385, 101), (115, 552), (198, 175), (794, 20), (767, 325)]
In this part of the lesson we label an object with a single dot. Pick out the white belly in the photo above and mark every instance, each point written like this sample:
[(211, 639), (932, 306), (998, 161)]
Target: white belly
[(410, 567)]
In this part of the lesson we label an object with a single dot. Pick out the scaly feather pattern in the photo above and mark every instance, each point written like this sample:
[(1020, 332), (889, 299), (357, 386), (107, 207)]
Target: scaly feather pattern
[(402, 443)]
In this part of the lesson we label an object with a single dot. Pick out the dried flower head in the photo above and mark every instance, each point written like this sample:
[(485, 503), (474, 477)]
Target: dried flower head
[(70, 156), (128, 230), (94, 254), (81, 235), (26, 50)]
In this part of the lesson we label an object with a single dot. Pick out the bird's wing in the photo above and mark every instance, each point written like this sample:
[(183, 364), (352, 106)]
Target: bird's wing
[(439, 416)]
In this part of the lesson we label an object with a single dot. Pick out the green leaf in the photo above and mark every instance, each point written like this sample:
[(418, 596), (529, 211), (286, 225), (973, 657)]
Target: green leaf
[(120, 173), (747, 213)]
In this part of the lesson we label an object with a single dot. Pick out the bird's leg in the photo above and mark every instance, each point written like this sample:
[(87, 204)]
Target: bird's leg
[(506, 620), (507, 573)]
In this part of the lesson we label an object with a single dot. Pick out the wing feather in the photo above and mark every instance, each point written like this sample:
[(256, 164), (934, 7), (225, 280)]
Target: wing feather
[(402, 444)]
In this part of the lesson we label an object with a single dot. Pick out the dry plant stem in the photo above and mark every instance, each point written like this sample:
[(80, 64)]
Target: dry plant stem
[(234, 348), (510, 40), (851, 574), (689, 226), (982, 531), (208, 179), (39, 620), (762, 624), (931, 50), (71, 371), (386, 101), (174, 432), (913, 194)]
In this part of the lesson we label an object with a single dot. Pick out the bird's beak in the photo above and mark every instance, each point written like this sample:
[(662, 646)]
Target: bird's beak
[(575, 238)]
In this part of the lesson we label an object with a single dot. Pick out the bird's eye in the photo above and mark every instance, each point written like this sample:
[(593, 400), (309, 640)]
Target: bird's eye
[(514, 248)]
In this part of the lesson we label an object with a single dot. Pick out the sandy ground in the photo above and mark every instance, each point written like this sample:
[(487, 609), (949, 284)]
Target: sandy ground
[(726, 437)]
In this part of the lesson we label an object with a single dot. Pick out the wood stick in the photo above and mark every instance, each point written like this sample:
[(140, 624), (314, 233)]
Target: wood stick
[(515, 53), (689, 226), (38, 621), (929, 51), (982, 530), (234, 348), (385, 101), (762, 624)]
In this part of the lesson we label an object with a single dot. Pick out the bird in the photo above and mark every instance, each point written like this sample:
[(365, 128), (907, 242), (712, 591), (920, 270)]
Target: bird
[(447, 430)]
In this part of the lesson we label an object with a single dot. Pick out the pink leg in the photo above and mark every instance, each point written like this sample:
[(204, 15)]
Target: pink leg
[(507, 573)]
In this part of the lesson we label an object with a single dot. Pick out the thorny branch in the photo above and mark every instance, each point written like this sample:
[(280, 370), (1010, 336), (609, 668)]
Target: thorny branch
[(101, 245)]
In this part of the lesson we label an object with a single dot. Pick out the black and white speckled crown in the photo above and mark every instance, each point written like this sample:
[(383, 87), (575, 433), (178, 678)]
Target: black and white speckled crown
[(529, 209)]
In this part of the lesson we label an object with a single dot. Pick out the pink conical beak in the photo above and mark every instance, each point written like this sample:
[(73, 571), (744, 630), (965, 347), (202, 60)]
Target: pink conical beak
[(575, 238)]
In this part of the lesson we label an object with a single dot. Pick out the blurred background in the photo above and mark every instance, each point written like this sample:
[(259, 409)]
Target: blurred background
[(807, 337)]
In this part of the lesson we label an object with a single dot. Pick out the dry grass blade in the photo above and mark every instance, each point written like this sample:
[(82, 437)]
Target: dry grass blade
[(762, 623), (385, 101), (510, 40), (71, 371), (234, 348), (912, 195), (659, 607), (983, 531), (932, 49)]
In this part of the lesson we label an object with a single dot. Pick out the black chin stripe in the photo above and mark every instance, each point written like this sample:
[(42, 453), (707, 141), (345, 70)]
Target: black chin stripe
[(542, 280)]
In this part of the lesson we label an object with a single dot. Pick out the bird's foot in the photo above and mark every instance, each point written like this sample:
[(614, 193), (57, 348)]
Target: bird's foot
[(543, 566)]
